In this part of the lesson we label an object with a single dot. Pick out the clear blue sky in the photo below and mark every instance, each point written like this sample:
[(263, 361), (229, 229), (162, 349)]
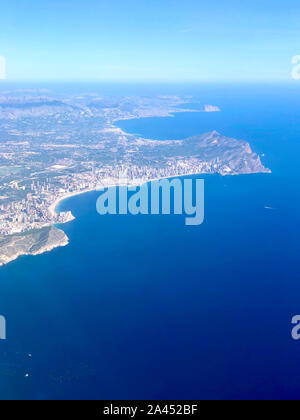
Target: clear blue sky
[(149, 40)]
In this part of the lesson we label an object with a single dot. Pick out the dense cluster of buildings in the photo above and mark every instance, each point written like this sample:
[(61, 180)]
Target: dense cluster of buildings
[(37, 209)]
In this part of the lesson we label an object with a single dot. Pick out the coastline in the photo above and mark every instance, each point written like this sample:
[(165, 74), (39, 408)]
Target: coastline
[(137, 183), (59, 200), (35, 242), (115, 128), (64, 240)]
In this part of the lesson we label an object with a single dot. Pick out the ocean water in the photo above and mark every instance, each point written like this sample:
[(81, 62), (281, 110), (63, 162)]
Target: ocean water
[(143, 307)]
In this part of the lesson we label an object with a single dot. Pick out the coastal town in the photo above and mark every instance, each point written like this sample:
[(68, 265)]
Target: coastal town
[(52, 148), (38, 208)]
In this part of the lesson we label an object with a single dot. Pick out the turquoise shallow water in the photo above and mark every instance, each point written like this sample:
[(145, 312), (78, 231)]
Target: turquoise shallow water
[(145, 307)]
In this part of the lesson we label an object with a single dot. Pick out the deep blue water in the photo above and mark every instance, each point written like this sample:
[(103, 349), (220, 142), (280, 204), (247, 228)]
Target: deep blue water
[(143, 307)]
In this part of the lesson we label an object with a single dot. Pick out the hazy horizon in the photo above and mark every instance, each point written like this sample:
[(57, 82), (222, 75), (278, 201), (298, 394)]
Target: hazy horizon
[(134, 41)]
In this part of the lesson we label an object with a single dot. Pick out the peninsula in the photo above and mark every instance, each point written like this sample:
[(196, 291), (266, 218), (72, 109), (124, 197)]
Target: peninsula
[(54, 147)]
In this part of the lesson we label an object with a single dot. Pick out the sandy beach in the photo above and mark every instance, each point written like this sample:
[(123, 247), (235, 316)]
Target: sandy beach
[(55, 204), (137, 183)]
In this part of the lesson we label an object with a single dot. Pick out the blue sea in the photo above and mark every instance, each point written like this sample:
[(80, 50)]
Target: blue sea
[(144, 307)]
